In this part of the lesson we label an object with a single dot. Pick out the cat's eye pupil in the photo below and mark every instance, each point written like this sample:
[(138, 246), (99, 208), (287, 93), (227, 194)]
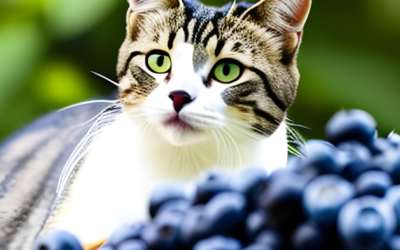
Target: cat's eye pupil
[(160, 61), (226, 70)]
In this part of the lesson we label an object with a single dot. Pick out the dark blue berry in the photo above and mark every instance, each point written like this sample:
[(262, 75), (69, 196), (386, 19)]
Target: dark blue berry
[(226, 211), (381, 145), (176, 206), (353, 125), (214, 183), (255, 223), (250, 182), (258, 246), (59, 240), (325, 196), (272, 239), (163, 233), (394, 243), (373, 183), (393, 198), (282, 200), (132, 245), (395, 139), (308, 236), (366, 223), (195, 226), (126, 232), (165, 193), (218, 243), (320, 155), (352, 159)]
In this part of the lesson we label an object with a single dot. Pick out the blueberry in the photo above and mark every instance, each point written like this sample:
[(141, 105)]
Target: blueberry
[(381, 145), (389, 161), (255, 223), (106, 248), (218, 243), (258, 246), (294, 163), (394, 243), (126, 232), (393, 197), (195, 226), (325, 196), (353, 125), (352, 159), (59, 240), (308, 236), (226, 211), (282, 200), (366, 223), (272, 239), (163, 233), (395, 139), (320, 155), (250, 182), (214, 183), (373, 183), (175, 206), (165, 193), (132, 245)]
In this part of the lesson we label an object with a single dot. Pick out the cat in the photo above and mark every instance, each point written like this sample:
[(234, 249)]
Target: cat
[(200, 88)]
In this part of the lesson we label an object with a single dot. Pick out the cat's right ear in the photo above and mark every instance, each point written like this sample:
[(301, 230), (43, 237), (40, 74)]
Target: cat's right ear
[(137, 7), (288, 17)]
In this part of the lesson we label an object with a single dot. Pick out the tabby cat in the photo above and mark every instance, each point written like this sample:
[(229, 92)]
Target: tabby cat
[(200, 87)]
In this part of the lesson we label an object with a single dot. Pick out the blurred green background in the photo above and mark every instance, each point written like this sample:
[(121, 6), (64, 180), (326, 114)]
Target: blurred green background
[(350, 58)]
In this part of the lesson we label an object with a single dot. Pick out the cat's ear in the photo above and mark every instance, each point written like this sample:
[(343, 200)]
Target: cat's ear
[(286, 16), (137, 7), (283, 15)]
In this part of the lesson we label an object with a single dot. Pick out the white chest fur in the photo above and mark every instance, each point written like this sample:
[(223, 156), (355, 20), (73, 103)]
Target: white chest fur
[(113, 185)]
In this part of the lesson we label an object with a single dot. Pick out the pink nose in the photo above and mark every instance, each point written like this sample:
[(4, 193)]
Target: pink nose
[(180, 99)]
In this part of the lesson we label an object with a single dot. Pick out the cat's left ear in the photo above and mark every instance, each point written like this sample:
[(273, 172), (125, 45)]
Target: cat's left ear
[(137, 7), (286, 16)]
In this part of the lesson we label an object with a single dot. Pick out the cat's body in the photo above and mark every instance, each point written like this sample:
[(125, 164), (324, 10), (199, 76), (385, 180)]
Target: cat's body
[(127, 173), (200, 88)]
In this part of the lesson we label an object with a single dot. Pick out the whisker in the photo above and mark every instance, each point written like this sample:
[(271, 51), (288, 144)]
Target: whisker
[(218, 146), (106, 118), (234, 144), (105, 78), (88, 102), (226, 150)]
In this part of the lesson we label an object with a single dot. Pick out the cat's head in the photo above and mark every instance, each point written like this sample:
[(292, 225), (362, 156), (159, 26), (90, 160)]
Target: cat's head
[(190, 71)]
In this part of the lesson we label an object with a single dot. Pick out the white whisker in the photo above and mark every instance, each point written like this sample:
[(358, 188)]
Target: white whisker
[(105, 118), (88, 102), (105, 78), (236, 147)]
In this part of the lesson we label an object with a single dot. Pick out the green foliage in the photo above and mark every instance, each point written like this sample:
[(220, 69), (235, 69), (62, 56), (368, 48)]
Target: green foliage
[(350, 58)]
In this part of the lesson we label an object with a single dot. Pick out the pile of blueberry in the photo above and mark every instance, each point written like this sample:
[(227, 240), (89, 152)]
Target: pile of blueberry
[(343, 194)]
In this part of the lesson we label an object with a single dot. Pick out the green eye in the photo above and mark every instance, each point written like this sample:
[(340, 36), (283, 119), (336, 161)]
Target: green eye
[(227, 71), (159, 62)]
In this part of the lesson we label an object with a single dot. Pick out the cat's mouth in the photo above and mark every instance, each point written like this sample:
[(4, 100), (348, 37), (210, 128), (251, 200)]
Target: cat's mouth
[(177, 123)]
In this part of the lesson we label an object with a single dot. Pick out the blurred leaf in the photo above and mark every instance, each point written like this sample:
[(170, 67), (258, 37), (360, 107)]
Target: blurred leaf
[(68, 18), (60, 83), (385, 13), (336, 77), (21, 46)]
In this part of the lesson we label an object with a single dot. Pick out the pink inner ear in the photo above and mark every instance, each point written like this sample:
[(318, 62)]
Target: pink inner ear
[(301, 13)]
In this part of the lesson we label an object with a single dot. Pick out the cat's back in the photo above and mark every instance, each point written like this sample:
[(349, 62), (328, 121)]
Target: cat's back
[(31, 161)]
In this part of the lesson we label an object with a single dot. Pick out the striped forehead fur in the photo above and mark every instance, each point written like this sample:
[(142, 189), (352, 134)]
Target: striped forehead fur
[(252, 37)]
